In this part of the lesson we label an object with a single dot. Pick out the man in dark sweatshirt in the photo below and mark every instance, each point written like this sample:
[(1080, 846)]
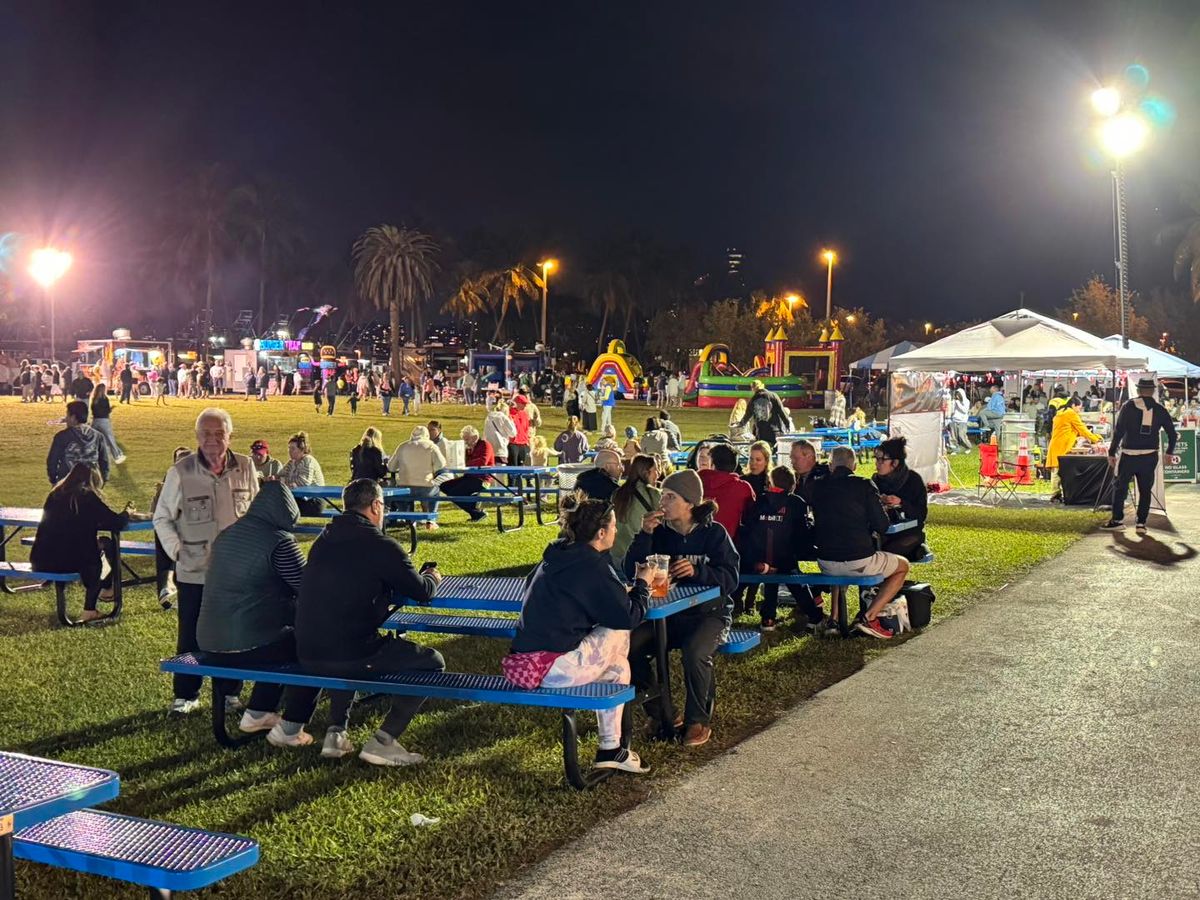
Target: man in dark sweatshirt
[(808, 470), (76, 443), (602, 481), (1135, 435), (354, 570)]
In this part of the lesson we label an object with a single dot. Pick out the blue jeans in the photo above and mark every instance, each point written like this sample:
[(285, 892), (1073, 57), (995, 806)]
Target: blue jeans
[(406, 399), (387, 403)]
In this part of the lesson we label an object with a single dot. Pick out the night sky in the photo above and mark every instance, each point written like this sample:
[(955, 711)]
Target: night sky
[(942, 148)]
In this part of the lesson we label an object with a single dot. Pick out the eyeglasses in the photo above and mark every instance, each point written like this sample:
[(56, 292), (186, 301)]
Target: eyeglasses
[(880, 459)]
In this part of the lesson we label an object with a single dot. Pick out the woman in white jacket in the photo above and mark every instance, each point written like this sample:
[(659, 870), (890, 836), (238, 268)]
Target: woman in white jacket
[(960, 411), (499, 429)]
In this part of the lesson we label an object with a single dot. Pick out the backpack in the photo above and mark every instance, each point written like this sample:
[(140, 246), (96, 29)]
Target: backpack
[(920, 598), (761, 406)]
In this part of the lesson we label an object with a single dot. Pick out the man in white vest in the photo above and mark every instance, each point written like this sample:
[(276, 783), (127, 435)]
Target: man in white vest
[(202, 494)]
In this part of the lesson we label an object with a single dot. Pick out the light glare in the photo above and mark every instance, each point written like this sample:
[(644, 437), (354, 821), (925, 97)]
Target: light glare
[(1124, 135), (1106, 101), (48, 265)]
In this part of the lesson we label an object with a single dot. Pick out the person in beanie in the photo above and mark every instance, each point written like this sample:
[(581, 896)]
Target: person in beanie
[(1135, 435), (701, 553)]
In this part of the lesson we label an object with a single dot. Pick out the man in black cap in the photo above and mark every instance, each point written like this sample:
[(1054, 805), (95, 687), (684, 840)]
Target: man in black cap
[(1135, 434)]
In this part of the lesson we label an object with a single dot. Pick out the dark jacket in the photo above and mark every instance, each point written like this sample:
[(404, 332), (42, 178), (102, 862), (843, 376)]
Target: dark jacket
[(76, 444), (247, 603), (709, 550), (804, 483), (769, 415), (572, 591), (597, 484), (367, 462), (82, 387), (847, 514), (777, 530), (353, 571), (66, 537), (914, 501), (1128, 433), (758, 482), (101, 408)]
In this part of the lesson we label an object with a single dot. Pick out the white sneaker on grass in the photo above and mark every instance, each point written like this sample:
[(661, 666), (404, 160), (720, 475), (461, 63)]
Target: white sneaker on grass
[(378, 753), (336, 745), (251, 723), (183, 707), (277, 737)]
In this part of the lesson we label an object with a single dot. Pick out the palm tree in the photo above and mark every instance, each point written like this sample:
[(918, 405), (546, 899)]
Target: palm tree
[(512, 287), (393, 270), (607, 292), (1187, 233), (267, 213)]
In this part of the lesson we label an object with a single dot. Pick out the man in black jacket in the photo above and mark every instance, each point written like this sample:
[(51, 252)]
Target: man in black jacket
[(808, 470), (354, 572), (1135, 434), (848, 515), (600, 483), (76, 443)]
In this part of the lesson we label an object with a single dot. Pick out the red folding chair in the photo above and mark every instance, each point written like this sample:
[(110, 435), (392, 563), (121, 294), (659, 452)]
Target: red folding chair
[(993, 476)]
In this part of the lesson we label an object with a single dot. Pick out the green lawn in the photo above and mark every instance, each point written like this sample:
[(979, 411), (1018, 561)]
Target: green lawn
[(494, 773)]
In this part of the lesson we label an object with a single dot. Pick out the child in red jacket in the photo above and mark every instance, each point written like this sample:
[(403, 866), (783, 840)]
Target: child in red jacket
[(723, 485)]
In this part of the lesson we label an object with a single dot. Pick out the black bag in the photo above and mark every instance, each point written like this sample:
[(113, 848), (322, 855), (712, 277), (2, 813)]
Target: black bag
[(920, 602)]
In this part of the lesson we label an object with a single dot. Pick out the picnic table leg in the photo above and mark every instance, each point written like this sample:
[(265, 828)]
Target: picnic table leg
[(838, 598), (412, 536), (118, 597), (219, 729), (7, 891), (666, 708), (570, 742), (4, 586), (537, 499)]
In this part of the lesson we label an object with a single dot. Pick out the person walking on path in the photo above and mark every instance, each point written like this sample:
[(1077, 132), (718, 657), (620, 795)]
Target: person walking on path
[(1135, 435)]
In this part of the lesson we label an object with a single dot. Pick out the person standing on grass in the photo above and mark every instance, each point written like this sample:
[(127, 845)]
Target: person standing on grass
[(518, 445), (66, 539), (262, 383), (251, 382), (1066, 429), (77, 443), (848, 517), (318, 391), (386, 393), (572, 443), (1135, 435), (126, 383), (576, 618), (331, 392), (587, 406), (353, 574), (960, 414), (701, 554), (498, 429), (607, 401), (407, 392), (202, 495), (102, 422)]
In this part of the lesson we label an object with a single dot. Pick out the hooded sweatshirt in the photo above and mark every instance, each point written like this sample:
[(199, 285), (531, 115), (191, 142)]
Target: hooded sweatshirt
[(710, 551), (733, 497), (76, 444), (777, 531), (353, 572), (254, 572), (574, 589)]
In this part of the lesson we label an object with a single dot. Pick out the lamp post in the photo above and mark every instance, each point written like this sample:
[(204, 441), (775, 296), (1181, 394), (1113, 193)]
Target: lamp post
[(1122, 133), (547, 266), (47, 265), (830, 258)]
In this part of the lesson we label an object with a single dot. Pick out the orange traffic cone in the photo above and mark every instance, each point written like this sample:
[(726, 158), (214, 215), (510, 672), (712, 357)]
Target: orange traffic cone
[(1024, 473)]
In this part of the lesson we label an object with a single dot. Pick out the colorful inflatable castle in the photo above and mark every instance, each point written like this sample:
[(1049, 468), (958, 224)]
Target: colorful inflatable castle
[(799, 375), (617, 366)]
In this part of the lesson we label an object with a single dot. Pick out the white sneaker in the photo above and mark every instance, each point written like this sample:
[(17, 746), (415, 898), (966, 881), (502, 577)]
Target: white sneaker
[(119, 460), (431, 526), (233, 703), (336, 745), (279, 738), (392, 754), (183, 707), (251, 723)]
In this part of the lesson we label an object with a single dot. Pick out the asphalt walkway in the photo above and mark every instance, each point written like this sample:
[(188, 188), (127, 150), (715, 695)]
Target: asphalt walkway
[(1043, 744)]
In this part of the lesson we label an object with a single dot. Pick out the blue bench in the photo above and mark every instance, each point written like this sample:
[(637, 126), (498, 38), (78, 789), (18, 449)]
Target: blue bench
[(61, 580), (738, 641), (410, 519), (836, 583), (499, 498), (435, 685), (156, 855), (132, 548)]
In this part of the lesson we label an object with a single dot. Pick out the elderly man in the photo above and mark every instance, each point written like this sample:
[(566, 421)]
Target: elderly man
[(202, 495), (1135, 435), (848, 515), (480, 455), (808, 470), (601, 482), (415, 462)]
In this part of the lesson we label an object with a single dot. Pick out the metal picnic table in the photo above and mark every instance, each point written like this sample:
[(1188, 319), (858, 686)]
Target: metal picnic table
[(332, 494), (13, 519), (520, 489), (34, 790)]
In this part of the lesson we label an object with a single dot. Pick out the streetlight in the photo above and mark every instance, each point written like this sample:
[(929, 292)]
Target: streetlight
[(851, 319), (928, 328), (830, 258), (47, 266), (547, 266)]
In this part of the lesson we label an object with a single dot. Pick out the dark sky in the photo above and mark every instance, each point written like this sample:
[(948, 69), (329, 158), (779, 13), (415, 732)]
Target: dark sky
[(942, 148)]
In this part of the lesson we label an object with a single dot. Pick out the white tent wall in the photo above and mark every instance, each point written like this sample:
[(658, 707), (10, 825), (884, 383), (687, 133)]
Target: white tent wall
[(918, 415)]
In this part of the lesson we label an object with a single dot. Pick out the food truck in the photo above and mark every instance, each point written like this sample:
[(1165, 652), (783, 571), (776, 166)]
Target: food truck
[(102, 355)]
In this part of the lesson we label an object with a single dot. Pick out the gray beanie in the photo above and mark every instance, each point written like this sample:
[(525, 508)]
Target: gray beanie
[(686, 483)]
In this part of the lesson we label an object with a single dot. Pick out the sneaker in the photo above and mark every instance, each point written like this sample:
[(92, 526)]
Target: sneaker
[(1113, 525), (164, 598), (431, 526), (251, 723), (696, 735), (393, 754), (621, 759), (119, 460), (336, 745), (233, 703), (872, 627), (767, 625), (478, 516), (1140, 528), (277, 737), (183, 707)]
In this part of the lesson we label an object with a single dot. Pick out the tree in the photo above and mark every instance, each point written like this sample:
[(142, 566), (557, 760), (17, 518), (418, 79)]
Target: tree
[(393, 270), (267, 214), (863, 334), (1187, 235), (1094, 307), (777, 309), (495, 291), (607, 292)]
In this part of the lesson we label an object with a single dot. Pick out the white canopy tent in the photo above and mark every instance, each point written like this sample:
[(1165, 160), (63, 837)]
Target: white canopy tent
[(1161, 363), (879, 359)]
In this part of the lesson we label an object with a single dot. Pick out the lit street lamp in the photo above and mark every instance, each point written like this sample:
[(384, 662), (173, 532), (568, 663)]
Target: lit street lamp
[(928, 328), (830, 258), (47, 266), (547, 266)]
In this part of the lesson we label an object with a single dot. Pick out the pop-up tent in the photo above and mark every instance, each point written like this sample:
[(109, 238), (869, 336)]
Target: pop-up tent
[(1161, 363), (1021, 340), (879, 359)]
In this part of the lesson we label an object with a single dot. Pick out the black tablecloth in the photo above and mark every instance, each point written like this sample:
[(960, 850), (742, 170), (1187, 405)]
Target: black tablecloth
[(1082, 477)]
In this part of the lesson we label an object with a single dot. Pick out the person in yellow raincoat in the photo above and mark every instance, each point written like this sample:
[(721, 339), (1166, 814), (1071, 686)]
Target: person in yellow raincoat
[(1068, 427)]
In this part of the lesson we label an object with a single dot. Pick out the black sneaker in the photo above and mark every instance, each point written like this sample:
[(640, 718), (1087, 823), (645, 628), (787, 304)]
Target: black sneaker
[(478, 516), (1113, 525), (622, 759)]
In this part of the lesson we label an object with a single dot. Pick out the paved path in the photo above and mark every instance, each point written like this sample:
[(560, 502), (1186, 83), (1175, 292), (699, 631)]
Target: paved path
[(1043, 744)]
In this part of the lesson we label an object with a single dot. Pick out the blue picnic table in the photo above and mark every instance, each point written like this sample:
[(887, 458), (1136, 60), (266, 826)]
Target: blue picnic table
[(519, 480), (332, 494)]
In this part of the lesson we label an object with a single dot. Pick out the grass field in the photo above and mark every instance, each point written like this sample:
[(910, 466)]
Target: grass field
[(494, 773)]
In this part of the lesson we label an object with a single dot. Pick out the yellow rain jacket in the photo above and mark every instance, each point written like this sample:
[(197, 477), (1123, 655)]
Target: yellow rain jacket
[(1068, 426)]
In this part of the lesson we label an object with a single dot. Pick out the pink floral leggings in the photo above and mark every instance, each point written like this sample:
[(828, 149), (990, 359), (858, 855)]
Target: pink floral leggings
[(602, 656)]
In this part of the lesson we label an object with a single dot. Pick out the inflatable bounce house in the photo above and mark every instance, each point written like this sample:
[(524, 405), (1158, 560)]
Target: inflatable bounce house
[(617, 366), (799, 375)]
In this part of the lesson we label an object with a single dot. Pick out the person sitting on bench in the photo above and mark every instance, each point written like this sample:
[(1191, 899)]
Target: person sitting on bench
[(602, 481), (576, 618), (905, 499), (480, 455), (66, 538), (353, 571), (847, 515), (701, 553), (249, 608)]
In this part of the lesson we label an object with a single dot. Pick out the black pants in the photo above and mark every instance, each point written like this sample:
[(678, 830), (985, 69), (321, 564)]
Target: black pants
[(462, 487), (187, 687), (395, 655), (518, 454), (126, 392), (332, 404), (909, 544), (298, 702), (589, 420), (163, 565), (89, 575), (698, 635), (1142, 468)]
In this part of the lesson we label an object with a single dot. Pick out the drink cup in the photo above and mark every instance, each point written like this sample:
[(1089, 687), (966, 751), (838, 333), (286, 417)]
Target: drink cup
[(659, 582)]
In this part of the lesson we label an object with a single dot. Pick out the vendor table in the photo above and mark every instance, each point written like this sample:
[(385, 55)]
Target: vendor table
[(1082, 476)]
